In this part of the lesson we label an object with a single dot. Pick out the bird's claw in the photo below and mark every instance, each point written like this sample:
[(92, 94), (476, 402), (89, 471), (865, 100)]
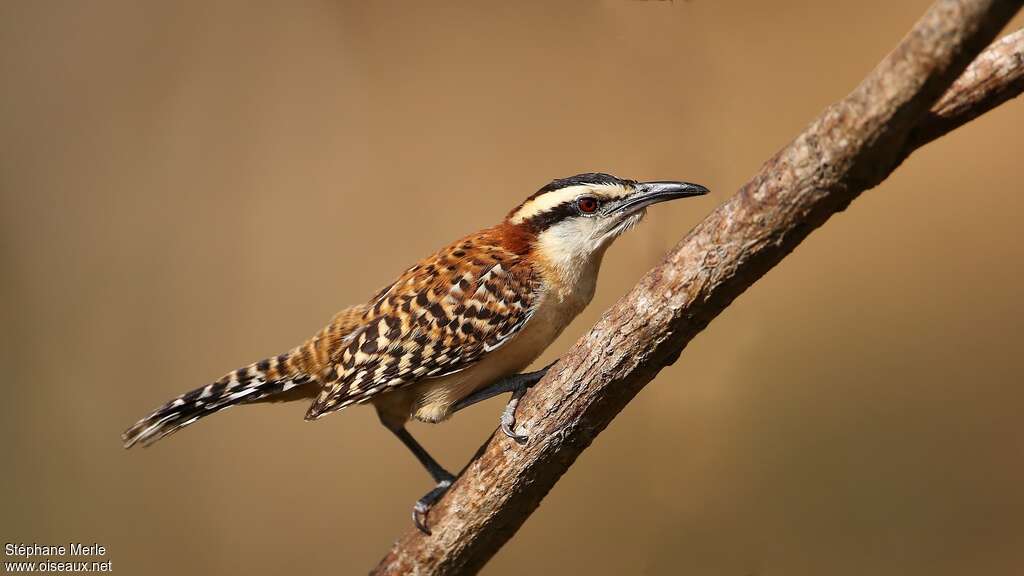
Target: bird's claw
[(519, 438), (419, 517), (508, 417), (424, 504)]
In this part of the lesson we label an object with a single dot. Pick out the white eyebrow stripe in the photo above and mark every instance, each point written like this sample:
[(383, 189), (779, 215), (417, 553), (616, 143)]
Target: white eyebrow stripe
[(547, 201)]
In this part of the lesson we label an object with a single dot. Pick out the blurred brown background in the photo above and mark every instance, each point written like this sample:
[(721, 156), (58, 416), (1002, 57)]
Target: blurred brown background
[(191, 186)]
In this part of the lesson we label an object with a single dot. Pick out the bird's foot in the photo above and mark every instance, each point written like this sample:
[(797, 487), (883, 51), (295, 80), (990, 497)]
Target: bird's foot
[(424, 504), (508, 416)]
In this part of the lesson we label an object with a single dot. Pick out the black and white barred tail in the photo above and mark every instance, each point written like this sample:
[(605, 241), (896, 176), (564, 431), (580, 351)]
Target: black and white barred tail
[(257, 382)]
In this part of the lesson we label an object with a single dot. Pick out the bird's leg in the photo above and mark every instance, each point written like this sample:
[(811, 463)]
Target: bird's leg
[(507, 384), (517, 384), (443, 477)]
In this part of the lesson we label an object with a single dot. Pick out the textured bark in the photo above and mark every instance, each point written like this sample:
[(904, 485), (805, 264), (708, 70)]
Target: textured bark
[(996, 76), (851, 147)]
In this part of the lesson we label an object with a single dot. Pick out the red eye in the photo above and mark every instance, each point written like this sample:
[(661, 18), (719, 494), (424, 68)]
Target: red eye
[(587, 205)]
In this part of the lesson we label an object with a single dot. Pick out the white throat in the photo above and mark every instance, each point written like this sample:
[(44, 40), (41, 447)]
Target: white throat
[(570, 253)]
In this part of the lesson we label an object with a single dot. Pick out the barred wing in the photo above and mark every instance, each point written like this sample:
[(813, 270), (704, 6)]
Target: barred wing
[(440, 317)]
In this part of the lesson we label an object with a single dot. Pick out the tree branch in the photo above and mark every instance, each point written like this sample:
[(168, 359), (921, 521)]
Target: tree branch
[(851, 147), (997, 75)]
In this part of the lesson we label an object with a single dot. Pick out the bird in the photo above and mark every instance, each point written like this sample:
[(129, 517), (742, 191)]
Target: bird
[(454, 329)]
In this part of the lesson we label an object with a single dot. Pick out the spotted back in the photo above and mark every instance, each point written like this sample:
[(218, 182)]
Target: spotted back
[(441, 316)]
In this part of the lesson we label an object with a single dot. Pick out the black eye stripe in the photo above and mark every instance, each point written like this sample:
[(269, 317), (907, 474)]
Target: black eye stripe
[(546, 219)]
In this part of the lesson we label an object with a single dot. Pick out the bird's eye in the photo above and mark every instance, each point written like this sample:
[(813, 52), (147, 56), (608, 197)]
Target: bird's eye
[(587, 204)]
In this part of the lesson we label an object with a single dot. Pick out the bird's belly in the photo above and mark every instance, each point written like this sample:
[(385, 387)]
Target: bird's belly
[(435, 397)]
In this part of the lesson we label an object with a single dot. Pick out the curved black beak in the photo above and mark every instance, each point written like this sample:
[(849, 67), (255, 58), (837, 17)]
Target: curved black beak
[(648, 193)]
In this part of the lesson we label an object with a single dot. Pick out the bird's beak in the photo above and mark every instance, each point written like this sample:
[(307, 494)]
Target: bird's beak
[(648, 193)]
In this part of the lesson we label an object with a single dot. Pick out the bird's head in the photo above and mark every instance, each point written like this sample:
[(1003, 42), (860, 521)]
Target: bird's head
[(573, 220)]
